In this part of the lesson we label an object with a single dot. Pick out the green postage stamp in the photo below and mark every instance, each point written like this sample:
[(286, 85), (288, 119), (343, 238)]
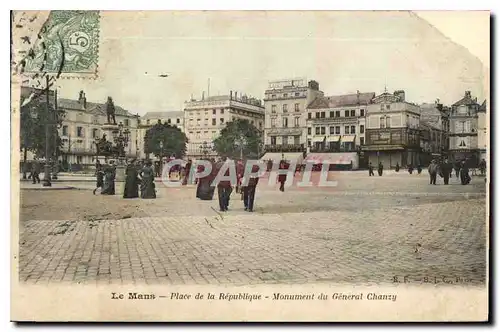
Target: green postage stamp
[(68, 43)]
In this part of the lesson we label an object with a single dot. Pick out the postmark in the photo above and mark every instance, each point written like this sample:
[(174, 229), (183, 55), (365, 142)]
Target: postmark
[(67, 45)]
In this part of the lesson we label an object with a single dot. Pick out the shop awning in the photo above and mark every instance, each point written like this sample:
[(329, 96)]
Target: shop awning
[(296, 157), (331, 158), (348, 138), (333, 138), (318, 138)]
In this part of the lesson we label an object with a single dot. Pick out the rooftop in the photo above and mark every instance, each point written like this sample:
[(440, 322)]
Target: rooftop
[(95, 108), (466, 100), (163, 115), (342, 100)]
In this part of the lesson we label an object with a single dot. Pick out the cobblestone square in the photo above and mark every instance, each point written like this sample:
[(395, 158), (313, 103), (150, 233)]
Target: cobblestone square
[(366, 230)]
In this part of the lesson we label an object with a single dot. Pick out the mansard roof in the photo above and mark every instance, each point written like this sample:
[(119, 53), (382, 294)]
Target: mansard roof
[(353, 99)]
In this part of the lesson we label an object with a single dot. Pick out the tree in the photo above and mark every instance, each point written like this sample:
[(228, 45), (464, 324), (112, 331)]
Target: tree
[(34, 118), (165, 140), (239, 139)]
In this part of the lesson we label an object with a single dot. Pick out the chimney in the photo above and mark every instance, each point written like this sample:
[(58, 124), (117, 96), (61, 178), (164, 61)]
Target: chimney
[(236, 95), (231, 95), (357, 93), (203, 95), (467, 94)]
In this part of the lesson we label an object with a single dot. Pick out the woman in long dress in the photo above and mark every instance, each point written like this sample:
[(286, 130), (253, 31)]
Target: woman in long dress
[(131, 181), (206, 190), (148, 181)]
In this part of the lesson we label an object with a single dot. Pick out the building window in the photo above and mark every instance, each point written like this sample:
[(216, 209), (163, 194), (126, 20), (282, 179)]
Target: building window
[(337, 114), (353, 112), (126, 122), (317, 115), (285, 140), (273, 108), (332, 114), (462, 126), (353, 129), (221, 120), (388, 122), (285, 95), (285, 122), (178, 121), (260, 124), (346, 113), (362, 129), (94, 133), (79, 159), (387, 107), (361, 112), (273, 140), (316, 130), (309, 142), (214, 122), (147, 121), (297, 94), (297, 109), (285, 107), (169, 121), (296, 139), (332, 130), (382, 122), (214, 111), (361, 141), (323, 130), (252, 122), (273, 96), (79, 131), (322, 115), (309, 115), (337, 130), (407, 120), (273, 122), (65, 131), (309, 131), (346, 129), (296, 124)]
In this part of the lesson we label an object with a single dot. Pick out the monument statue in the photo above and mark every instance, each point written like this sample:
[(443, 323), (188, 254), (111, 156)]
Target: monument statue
[(104, 147), (110, 110)]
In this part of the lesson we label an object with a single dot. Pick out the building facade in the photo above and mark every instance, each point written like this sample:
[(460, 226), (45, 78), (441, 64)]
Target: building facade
[(434, 130), (81, 127), (206, 117), (482, 131), (174, 118), (285, 105), (392, 134), (464, 118), (337, 123)]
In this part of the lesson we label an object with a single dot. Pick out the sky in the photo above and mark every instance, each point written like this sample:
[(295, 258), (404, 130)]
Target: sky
[(242, 51)]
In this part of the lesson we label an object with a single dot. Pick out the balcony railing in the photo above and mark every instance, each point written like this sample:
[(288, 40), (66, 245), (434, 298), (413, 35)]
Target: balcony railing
[(329, 149), (285, 148)]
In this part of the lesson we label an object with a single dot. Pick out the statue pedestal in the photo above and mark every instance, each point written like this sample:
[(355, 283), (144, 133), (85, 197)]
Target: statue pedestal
[(120, 179)]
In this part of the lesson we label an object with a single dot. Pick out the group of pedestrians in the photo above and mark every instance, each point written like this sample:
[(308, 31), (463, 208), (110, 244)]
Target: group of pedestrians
[(442, 168), (139, 176)]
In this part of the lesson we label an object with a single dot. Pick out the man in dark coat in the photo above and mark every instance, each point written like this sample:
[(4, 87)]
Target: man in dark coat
[(99, 173), (446, 169), (187, 173), (282, 177), (457, 168), (433, 170), (397, 167), (410, 168), (370, 170), (464, 173), (35, 171), (224, 187), (380, 169), (419, 168), (249, 189)]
